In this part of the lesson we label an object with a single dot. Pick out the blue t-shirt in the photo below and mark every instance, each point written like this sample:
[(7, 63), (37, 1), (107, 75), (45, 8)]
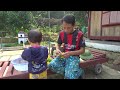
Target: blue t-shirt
[(37, 59)]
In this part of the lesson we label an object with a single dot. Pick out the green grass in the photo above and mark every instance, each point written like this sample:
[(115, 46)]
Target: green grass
[(12, 45)]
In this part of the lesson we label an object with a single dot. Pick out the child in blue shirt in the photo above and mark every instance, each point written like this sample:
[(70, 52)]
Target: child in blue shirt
[(36, 56)]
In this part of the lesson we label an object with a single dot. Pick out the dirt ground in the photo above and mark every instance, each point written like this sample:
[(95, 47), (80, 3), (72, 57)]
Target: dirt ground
[(107, 73)]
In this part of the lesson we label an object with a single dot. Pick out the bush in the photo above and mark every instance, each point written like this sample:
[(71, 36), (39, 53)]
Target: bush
[(9, 40), (44, 43), (12, 44)]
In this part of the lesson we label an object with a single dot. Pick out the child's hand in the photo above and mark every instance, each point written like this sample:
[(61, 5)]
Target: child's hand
[(58, 52), (66, 54)]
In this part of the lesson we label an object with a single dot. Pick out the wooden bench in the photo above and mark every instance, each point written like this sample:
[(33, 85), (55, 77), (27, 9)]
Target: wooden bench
[(7, 71)]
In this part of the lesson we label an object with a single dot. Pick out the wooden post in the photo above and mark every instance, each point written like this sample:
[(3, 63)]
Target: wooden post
[(1, 41), (49, 28)]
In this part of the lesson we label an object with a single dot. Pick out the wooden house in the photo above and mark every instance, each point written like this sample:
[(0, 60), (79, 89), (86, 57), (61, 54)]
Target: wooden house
[(104, 25)]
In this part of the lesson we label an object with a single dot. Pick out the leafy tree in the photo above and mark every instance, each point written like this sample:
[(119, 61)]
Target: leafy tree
[(15, 21)]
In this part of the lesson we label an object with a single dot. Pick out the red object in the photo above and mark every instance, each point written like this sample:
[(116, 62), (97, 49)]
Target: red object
[(70, 38), (105, 37), (80, 36), (3, 69)]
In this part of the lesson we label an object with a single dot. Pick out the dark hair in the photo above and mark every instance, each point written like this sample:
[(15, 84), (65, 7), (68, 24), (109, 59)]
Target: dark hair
[(35, 36), (70, 19)]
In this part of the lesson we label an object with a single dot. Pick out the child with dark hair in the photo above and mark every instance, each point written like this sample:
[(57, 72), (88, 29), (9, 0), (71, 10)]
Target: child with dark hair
[(73, 45), (36, 56)]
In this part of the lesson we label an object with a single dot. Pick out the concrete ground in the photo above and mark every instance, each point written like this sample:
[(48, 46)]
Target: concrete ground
[(107, 73), (103, 45), (117, 43)]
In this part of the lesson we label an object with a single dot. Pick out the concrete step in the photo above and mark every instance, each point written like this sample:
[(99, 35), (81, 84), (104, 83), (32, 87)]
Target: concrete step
[(104, 45)]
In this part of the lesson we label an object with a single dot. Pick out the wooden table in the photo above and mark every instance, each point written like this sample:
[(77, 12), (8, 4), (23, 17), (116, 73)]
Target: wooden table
[(8, 71)]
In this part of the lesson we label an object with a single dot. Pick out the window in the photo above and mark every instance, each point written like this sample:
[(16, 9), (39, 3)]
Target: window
[(110, 18)]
